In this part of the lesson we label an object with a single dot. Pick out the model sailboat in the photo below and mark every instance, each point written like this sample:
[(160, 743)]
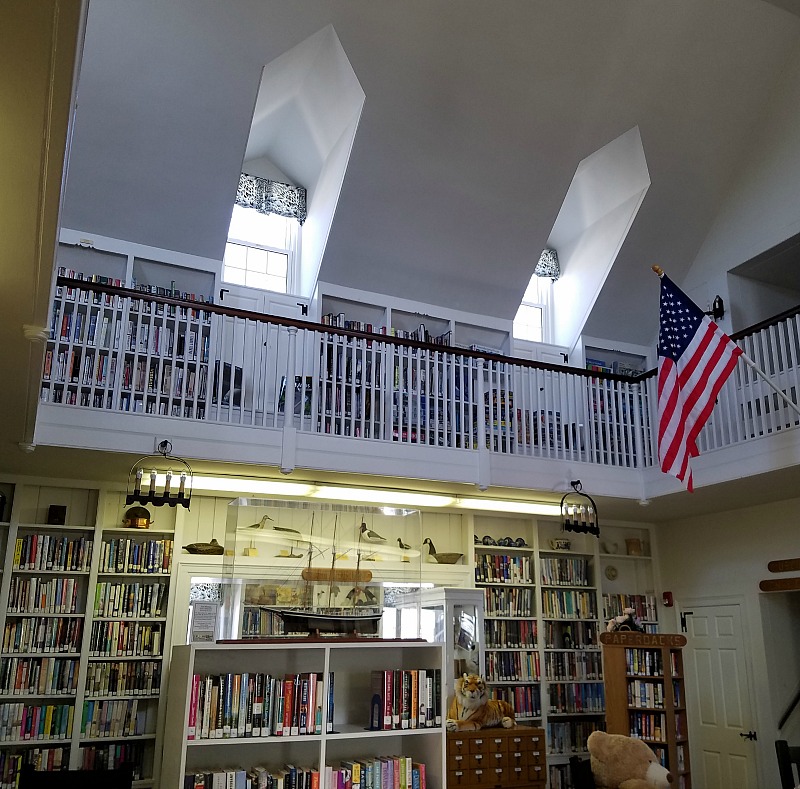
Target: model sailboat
[(359, 617)]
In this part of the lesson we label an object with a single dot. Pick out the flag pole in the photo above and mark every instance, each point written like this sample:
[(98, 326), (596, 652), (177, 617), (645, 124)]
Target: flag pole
[(747, 360)]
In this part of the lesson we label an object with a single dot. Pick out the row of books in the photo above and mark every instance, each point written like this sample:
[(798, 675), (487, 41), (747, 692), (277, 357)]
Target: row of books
[(643, 605), (184, 344), (66, 368), (648, 725), (158, 290), (566, 737), (512, 666), (573, 665), (20, 721), (41, 759), (123, 678), (52, 552), (43, 595), (113, 718), (500, 568), (570, 635), (340, 321), (567, 697), (165, 380), (112, 756), (86, 399), (564, 604), (117, 639), (381, 772), (564, 571), (82, 328), (69, 293), (137, 405), (130, 599), (95, 372), (510, 633), (257, 705), (644, 662), (508, 602), (406, 699), (42, 634), (42, 676), (525, 699), (125, 555), (642, 693)]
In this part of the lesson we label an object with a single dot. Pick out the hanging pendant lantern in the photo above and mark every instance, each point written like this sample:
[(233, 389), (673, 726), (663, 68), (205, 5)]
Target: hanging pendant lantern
[(578, 511), (160, 479)]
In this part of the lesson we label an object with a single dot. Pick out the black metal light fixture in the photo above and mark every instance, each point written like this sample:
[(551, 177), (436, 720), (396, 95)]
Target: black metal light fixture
[(149, 482), (717, 310), (578, 511), (547, 265)]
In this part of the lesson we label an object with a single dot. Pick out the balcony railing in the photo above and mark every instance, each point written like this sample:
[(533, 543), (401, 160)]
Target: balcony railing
[(122, 350)]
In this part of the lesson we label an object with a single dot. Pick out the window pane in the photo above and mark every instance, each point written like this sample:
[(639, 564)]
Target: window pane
[(278, 284), (235, 276), (278, 264), (257, 260), (256, 279), (248, 225), (528, 323), (235, 255)]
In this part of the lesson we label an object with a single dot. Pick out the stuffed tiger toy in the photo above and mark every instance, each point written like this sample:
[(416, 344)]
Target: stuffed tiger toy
[(471, 709)]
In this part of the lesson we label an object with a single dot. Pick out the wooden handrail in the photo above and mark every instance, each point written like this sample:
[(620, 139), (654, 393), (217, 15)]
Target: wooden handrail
[(260, 317)]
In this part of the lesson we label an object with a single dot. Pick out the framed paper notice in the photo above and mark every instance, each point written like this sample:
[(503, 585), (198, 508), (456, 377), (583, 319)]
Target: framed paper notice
[(204, 622)]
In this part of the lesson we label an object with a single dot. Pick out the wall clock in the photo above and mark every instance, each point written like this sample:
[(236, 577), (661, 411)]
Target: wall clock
[(611, 572)]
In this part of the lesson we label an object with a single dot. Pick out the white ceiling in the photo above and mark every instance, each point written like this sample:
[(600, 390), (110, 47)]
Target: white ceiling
[(476, 117)]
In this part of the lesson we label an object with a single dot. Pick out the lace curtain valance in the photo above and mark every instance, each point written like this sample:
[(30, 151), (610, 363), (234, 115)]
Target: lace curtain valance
[(271, 197)]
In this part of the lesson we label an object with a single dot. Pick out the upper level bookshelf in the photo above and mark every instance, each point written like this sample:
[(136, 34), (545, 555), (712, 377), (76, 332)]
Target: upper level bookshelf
[(351, 308)]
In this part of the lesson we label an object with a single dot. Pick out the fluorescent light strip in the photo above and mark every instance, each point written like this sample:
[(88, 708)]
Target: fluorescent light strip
[(387, 498), (504, 505), (251, 486)]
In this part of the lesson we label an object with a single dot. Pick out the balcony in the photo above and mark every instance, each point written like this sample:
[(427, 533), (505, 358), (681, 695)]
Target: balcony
[(125, 369)]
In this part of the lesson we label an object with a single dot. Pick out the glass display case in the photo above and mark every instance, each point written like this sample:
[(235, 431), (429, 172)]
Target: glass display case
[(453, 617), (312, 568)]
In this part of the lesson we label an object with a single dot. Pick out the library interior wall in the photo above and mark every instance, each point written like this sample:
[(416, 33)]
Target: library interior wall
[(725, 554), (761, 207)]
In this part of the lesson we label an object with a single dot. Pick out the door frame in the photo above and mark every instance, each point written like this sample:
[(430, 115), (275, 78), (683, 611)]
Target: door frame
[(686, 604)]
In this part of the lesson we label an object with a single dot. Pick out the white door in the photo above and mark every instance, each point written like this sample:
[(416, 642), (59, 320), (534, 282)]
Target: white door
[(719, 697), (254, 355)]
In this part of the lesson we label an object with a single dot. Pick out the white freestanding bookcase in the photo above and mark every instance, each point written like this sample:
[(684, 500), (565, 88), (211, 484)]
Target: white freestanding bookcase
[(350, 661)]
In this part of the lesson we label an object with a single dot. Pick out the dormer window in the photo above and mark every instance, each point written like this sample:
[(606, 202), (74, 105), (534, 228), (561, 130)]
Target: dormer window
[(264, 235)]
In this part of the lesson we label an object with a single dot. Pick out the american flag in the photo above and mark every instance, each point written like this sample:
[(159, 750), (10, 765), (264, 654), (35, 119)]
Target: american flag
[(695, 358)]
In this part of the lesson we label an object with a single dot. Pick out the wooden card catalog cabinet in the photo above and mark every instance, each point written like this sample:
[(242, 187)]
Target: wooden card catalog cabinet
[(497, 758)]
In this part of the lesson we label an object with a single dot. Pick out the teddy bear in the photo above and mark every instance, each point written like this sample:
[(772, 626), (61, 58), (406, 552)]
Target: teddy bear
[(620, 762)]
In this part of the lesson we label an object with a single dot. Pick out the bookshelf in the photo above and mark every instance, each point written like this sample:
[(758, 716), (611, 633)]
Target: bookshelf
[(109, 353), (344, 674), (123, 690), (646, 695), (573, 670), (513, 664), (627, 574), (49, 554)]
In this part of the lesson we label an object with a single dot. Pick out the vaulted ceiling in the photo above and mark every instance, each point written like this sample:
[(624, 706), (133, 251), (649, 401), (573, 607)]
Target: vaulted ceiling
[(476, 117)]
